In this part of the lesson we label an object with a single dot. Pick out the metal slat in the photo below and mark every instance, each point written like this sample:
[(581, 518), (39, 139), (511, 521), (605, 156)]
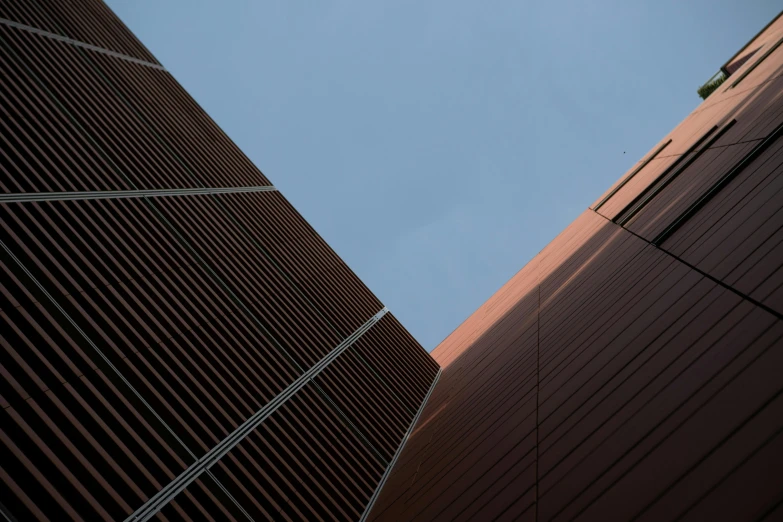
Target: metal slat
[(22, 197)]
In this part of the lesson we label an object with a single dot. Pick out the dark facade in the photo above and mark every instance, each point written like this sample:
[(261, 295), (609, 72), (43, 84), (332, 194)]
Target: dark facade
[(177, 342), (633, 369)]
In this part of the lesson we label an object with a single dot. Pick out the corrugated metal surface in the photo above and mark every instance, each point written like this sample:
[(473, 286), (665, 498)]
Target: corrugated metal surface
[(139, 128), (140, 333), (300, 464), (75, 440), (87, 21), (616, 379)]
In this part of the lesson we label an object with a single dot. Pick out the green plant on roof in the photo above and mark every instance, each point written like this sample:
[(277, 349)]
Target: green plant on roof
[(707, 89)]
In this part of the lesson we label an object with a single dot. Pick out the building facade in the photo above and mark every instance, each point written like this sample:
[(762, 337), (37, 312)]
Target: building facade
[(177, 342), (633, 370)]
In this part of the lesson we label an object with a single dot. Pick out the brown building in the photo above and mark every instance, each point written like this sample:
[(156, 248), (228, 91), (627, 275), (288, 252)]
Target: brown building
[(633, 369), (177, 342)]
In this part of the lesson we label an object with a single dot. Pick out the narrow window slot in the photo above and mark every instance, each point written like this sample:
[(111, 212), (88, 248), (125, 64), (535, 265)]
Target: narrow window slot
[(756, 64), (669, 175), (718, 186), (632, 174)]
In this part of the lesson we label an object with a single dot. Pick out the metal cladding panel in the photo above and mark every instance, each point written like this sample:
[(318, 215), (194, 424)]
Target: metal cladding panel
[(129, 122), (737, 236), (768, 36), (399, 360), (364, 399), (209, 350), (132, 288), (756, 105), (87, 21), (624, 374), (631, 357), (179, 124), (252, 276), (66, 74), (710, 166), (672, 435), (475, 440), (302, 463), (312, 267), (756, 69), (204, 499), (76, 441), (43, 149)]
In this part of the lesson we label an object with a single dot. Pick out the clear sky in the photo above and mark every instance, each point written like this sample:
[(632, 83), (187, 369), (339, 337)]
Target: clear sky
[(437, 146)]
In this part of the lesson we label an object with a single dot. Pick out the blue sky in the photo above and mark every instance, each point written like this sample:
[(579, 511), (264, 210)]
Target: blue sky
[(437, 146)]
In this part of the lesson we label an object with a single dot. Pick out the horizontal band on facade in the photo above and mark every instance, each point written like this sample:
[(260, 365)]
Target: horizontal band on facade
[(119, 194), (155, 503), (77, 43)]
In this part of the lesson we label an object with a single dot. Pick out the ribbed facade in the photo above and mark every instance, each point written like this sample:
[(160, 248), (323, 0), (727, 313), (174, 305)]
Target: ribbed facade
[(177, 342), (633, 370)]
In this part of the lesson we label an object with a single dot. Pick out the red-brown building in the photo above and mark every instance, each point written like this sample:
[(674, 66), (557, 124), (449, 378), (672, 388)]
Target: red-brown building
[(179, 344), (633, 369)]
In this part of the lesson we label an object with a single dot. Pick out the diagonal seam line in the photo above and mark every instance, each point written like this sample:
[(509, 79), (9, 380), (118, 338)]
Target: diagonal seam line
[(232, 216), (118, 194), (671, 168), (100, 353), (397, 454), (673, 430), (473, 436), (115, 369), (305, 378), (348, 423), (664, 181), (229, 495), (629, 399), (718, 186), (160, 499), (707, 275), (77, 43), (771, 509), (7, 514)]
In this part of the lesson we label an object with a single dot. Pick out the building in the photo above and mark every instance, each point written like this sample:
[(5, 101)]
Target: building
[(633, 369), (177, 342)]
